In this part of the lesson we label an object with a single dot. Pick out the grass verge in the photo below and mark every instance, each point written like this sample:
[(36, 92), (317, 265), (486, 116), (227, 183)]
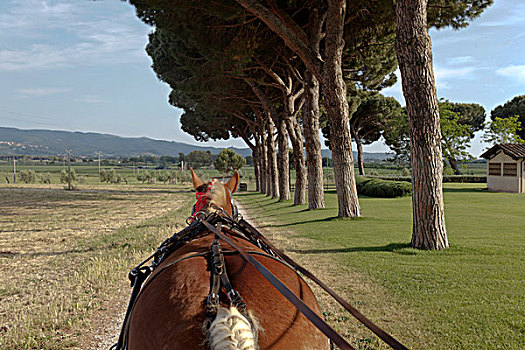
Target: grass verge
[(466, 297)]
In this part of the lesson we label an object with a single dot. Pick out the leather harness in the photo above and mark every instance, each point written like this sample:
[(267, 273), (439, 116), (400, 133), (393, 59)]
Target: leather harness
[(223, 226)]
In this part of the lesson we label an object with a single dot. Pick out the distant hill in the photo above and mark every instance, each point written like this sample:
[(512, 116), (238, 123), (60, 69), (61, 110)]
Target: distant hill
[(53, 142)]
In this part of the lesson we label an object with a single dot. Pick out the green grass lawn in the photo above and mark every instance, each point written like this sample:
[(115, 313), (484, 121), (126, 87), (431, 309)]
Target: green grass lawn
[(470, 296)]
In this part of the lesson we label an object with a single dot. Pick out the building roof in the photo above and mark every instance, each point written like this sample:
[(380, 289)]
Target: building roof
[(514, 150)]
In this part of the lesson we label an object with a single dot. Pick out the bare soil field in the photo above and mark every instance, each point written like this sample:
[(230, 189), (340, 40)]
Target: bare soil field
[(64, 257)]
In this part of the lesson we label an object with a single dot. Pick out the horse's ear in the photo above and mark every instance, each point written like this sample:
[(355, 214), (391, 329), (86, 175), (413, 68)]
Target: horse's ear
[(233, 183), (197, 182)]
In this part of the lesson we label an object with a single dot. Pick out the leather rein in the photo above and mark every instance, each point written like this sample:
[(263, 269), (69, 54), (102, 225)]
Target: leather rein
[(219, 224)]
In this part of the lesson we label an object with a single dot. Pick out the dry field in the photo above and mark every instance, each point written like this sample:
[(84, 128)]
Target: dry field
[(64, 257)]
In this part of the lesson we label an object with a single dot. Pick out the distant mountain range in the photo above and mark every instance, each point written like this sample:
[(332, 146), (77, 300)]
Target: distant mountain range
[(53, 142)]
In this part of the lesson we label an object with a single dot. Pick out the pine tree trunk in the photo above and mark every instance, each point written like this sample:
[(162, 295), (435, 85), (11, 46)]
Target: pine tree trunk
[(414, 53), (255, 155), (294, 131), (360, 158), (273, 185), (283, 160), (454, 165), (334, 92), (262, 168), (264, 162), (312, 143)]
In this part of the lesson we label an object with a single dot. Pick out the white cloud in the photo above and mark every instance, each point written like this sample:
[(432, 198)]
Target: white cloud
[(514, 72), (60, 36), (36, 56), (33, 14), (89, 99), (44, 91), (460, 60), (446, 73)]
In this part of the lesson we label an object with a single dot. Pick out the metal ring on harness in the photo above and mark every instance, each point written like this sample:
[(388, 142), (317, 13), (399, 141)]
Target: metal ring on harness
[(194, 217)]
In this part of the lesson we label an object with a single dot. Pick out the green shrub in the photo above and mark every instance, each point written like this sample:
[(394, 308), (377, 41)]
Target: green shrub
[(446, 178), (465, 178), (382, 188), (64, 176), (44, 178), (165, 177), (27, 176), (144, 176), (111, 176)]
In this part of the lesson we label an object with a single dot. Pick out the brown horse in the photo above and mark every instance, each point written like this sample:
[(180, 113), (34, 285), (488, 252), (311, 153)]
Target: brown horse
[(170, 312)]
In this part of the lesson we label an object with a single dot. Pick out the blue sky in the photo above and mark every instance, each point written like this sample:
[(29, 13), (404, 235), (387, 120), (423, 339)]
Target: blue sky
[(80, 65)]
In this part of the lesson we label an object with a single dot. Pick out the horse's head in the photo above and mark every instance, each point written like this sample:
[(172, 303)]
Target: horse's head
[(215, 195)]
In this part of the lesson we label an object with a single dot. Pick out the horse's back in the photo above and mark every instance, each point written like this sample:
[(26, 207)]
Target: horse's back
[(170, 311)]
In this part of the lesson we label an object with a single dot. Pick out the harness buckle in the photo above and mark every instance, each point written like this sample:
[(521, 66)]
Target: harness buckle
[(213, 299), (237, 301), (233, 295)]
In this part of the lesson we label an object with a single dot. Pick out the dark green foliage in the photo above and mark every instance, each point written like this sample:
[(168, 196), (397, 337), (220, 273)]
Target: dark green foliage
[(382, 188), (455, 13), (207, 51), (471, 114), (514, 107), (504, 130), (228, 161), (459, 122), (397, 138), (197, 159), (369, 113)]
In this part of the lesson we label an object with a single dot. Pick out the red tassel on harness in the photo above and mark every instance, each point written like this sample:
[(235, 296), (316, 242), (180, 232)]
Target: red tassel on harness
[(203, 198)]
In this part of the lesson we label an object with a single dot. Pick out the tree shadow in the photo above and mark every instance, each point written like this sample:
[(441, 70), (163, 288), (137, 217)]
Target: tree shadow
[(328, 219), (467, 190), (397, 248)]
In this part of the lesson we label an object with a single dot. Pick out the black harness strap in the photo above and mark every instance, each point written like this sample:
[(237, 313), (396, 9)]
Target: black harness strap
[(287, 293), (241, 229), (218, 277), (387, 338)]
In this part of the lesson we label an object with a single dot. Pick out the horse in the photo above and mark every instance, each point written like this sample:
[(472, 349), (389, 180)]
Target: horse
[(171, 310)]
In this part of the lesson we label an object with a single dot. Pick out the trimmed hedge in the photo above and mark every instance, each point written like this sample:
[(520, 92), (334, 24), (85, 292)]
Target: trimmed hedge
[(446, 178), (465, 178), (382, 188)]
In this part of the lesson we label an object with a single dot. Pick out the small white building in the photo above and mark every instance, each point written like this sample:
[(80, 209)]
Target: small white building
[(506, 167)]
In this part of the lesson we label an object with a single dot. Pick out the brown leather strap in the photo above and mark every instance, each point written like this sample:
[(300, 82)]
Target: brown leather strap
[(387, 338), (287, 293)]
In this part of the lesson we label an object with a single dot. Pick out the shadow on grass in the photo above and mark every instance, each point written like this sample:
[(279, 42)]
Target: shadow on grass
[(398, 248), (467, 190), (332, 218)]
